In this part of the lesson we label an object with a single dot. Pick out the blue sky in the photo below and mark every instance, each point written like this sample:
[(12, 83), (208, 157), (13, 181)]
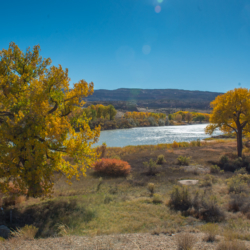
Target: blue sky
[(180, 44)]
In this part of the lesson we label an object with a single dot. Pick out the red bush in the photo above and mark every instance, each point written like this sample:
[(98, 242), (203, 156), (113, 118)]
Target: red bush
[(112, 167)]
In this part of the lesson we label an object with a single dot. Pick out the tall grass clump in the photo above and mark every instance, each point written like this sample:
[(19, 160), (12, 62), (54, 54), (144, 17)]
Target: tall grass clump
[(151, 189), (180, 199), (183, 160), (28, 232), (185, 241), (152, 168), (112, 167), (160, 159), (211, 230)]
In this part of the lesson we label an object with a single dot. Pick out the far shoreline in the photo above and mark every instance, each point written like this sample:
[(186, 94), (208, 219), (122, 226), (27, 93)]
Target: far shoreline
[(172, 125)]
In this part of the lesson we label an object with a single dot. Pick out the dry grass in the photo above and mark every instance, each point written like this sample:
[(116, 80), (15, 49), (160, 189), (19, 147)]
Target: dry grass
[(231, 245), (84, 209), (211, 230), (185, 241), (28, 232)]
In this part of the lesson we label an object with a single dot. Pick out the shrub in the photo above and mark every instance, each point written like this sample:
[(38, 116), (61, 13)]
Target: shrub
[(151, 188), (184, 144), (231, 245), (237, 202), (193, 143), (198, 142), (197, 206), (238, 184), (240, 202), (112, 167), (62, 229), (160, 159), (175, 144), (241, 171), (157, 199), (232, 166), (28, 232), (241, 163), (211, 231), (183, 160), (209, 210), (215, 169), (180, 199), (185, 241), (224, 160), (152, 168)]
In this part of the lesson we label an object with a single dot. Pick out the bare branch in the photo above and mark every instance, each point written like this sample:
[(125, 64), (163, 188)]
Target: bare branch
[(5, 113), (66, 113), (53, 109)]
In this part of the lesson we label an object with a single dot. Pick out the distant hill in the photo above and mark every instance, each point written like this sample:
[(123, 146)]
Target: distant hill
[(154, 98)]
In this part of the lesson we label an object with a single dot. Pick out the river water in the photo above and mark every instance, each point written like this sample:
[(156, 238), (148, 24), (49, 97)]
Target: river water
[(153, 135)]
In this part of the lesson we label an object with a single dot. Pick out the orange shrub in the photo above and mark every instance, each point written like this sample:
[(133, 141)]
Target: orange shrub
[(175, 144), (112, 167)]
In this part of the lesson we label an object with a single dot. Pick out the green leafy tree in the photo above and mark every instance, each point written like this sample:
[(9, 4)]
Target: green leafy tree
[(112, 112), (200, 118)]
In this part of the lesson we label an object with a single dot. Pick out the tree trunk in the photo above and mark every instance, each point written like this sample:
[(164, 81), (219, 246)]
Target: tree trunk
[(239, 142)]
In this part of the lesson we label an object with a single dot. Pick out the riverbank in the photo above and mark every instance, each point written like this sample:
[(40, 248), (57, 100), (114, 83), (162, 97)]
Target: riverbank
[(126, 124), (153, 135)]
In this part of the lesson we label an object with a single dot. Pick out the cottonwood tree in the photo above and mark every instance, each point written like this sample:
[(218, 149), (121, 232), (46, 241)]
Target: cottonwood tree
[(178, 117), (35, 131), (188, 117), (200, 118), (112, 112), (231, 113)]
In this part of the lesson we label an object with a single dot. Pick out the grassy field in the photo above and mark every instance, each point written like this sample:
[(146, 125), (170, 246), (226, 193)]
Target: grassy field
[(97, 205)]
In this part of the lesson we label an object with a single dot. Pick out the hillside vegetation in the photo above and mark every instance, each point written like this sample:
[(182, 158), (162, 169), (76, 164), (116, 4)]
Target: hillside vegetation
[(129, 99)]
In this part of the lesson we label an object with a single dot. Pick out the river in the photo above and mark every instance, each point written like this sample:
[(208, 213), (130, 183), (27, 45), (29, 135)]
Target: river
[(153, 135)]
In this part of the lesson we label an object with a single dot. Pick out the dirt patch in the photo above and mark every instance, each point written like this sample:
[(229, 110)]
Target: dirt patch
[(119, 242), (188, 182)]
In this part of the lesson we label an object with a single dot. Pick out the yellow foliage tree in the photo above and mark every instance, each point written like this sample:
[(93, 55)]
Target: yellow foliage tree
[(231, 113), (35, 131)]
